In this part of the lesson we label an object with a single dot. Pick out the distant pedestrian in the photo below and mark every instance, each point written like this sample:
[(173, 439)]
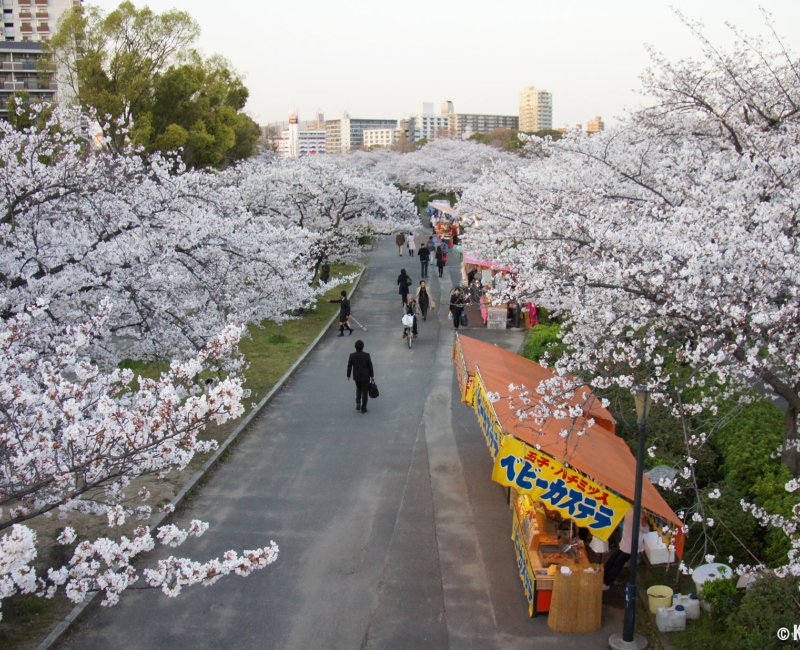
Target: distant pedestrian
[(403, 285), (360, 366), (441, 259), (424, 258), (431, 247), (400, 239), (411, 243), (456, 306), (424, 299), (484, 303), (344, 313)]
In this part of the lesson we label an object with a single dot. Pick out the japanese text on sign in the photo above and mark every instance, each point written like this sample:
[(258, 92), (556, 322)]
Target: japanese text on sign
[(487, 418), (523, 564), (564, 490)]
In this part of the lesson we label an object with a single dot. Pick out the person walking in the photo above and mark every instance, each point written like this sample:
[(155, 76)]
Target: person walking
[(424, 299), (456, 306), (424, 260), (411, 243), (360, 366), (400, 239), (344, 313), (431, 247), (441, 260), (403, 285), (424, 257)]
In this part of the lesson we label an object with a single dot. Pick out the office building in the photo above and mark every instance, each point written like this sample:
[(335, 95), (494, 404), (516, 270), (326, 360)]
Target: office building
[(535, 110), (347, 134)]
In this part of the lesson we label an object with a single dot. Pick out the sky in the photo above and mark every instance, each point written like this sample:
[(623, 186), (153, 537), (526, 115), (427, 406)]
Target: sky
[(383, 59)]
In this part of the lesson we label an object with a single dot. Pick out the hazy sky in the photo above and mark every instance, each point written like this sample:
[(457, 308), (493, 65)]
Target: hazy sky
[(382, 59)]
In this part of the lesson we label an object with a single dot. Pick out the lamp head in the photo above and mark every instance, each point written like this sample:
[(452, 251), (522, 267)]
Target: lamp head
[(641, 397)]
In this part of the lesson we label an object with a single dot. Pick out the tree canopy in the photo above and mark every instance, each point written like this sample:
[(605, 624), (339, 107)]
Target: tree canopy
[(137, 71)]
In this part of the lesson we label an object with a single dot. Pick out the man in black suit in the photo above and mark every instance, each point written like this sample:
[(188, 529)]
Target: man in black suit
[(360, 365)]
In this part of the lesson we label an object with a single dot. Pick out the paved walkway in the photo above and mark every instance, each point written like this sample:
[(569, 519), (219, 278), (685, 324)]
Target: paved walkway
[(392, 534)]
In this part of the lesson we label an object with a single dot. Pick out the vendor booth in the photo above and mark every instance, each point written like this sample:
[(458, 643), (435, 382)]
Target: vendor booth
[(444, 222), (563, 490), (486, 278)]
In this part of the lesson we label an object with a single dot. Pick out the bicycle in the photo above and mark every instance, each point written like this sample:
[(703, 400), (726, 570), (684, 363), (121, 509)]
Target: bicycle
[(408, 329)]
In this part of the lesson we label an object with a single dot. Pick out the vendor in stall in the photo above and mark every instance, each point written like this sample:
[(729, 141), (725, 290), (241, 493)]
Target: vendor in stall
[(620, 556)]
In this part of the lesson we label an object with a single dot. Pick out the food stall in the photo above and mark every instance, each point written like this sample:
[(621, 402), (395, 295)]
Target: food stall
[(493, 281), (560, 487), (443, 220)]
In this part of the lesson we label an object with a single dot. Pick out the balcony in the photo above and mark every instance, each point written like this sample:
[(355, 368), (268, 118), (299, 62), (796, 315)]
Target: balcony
[(41, 2)]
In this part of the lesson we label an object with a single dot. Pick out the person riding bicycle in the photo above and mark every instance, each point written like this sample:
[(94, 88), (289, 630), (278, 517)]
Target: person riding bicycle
[(410, 309)]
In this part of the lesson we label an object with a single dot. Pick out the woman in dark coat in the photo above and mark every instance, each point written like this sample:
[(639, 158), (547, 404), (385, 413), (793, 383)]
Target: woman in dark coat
[(344, 313), (424, 299), (441, 259), (403, 285), (456, 306)]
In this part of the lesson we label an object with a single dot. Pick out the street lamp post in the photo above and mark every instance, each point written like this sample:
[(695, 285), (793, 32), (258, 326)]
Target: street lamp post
[(630, 640)]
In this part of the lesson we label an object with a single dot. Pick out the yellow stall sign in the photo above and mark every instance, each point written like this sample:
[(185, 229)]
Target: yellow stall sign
[(487, 418), (559, 488)]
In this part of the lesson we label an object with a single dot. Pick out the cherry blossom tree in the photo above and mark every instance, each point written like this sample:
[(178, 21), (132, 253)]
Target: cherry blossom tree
[(337, 201), (445, 165), (670, 244), (177, 252), (74, 437)]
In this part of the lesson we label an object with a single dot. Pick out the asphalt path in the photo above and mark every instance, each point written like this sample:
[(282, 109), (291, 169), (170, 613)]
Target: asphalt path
[(391, 533)]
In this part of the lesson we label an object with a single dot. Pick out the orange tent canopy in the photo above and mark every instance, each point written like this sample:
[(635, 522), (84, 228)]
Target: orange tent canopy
[(599, 453)]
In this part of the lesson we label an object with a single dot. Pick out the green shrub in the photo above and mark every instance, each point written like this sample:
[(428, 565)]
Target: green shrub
[(768, 605), (543, 339), (721, 594)]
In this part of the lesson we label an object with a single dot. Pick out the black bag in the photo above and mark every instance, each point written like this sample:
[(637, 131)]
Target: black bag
[(373, 389), (464, 322)]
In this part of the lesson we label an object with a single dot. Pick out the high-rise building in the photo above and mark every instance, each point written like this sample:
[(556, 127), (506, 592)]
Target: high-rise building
[(535, 110), (596, 125), (26, 23)]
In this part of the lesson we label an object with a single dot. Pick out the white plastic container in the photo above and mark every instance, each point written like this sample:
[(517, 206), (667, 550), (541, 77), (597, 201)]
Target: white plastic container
[(656, 550), (690, 603), (671, 619)]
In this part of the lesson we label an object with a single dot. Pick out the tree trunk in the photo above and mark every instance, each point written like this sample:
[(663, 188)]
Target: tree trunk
[(790, 455)]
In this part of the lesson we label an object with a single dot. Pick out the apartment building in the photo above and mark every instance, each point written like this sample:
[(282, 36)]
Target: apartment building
[(26, 23), (32, 20), (463, 125), (535, 110)]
